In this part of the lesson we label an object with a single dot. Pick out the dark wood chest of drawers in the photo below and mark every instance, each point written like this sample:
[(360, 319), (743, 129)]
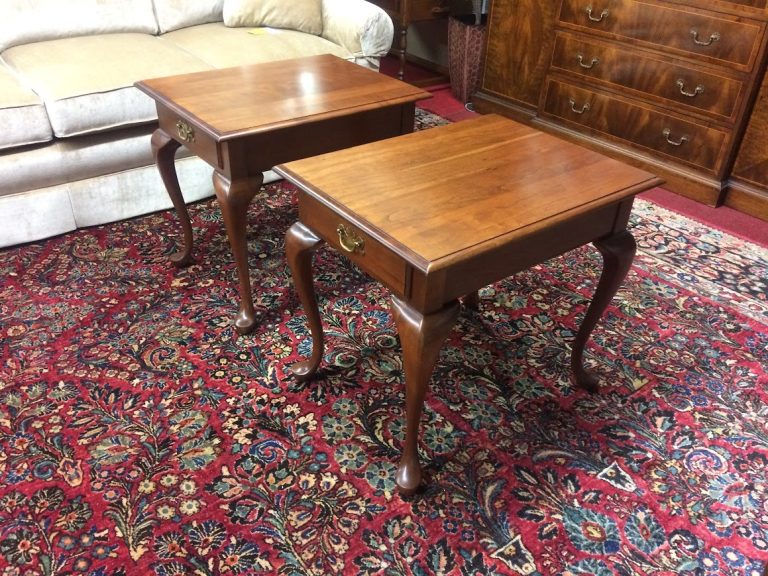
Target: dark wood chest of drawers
[(666, 84)]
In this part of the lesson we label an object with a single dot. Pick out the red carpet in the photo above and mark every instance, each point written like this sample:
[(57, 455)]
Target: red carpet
[(444, 104), (390, 65), (723, 217), (139, 435)]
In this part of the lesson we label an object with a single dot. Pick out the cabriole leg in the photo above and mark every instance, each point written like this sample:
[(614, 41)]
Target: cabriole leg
[(618, 252), (421, 337)]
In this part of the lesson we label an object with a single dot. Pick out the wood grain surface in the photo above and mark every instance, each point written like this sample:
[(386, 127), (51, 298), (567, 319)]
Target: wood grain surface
[(470, 184), (234, 102)]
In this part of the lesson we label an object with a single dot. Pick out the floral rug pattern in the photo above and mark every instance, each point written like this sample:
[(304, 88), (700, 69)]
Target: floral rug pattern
[(139, 434)]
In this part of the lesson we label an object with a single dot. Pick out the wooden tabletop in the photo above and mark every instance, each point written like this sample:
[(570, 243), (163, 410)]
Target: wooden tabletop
[(450, 191), (233, 102)]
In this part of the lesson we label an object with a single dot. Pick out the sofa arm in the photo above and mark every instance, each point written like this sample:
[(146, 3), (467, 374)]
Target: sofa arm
[(360, 27)]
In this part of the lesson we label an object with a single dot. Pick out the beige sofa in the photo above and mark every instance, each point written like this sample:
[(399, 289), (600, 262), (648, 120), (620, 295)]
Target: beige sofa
[(74, 131)]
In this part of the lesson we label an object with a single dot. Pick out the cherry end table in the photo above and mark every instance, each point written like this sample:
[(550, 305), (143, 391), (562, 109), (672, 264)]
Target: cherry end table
[(440, 213), (245, 120)]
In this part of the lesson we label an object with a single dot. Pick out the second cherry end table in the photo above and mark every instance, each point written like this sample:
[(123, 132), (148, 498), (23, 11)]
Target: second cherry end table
[(245, 120), (440, 213)]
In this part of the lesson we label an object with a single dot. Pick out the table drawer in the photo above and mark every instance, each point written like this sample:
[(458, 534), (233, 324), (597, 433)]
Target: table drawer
[(372, 257), (675, 84), (717, 38), (639, 126), (196, 141)]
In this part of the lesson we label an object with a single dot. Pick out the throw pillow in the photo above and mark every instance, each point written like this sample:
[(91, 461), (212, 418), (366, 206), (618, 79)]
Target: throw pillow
[(302, 15)]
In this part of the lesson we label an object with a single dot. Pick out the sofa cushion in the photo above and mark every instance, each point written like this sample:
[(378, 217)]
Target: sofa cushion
[(302, 15), (88, 87), (221, 46), (26, 21), (22, 114), (175, 14), (72, 159)]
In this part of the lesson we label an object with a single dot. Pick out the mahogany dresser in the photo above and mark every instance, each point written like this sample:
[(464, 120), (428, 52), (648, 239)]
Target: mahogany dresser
[(668, 85)]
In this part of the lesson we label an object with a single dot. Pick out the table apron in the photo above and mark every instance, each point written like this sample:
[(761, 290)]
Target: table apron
[(270, 148), (429, 291), (247, 154), (200, 143), (374, 258)]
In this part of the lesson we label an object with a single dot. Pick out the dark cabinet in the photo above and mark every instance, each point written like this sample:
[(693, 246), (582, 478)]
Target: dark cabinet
[(666, 84)]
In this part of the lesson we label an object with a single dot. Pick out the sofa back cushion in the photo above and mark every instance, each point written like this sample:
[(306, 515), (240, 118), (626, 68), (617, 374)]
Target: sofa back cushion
[(176, 14), (89, 86), (223, 46), (26, 21), (301, 15)]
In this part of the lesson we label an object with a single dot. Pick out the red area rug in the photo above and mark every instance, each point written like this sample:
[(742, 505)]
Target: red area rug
[(139, 435), (737, 223)]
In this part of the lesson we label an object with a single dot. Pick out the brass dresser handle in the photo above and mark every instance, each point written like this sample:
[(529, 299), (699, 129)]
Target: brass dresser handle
[(603, 14), (681, 84), (591, 64), (185, 131), (680, 142), (714, 37), (350, 241), (584, 107)]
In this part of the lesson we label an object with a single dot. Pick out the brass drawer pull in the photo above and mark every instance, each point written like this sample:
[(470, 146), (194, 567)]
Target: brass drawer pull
[(714, 37), (603, 14), (584, 107), (185, 131), (681, 84), (350, 241), (667, 132), (589, 66)]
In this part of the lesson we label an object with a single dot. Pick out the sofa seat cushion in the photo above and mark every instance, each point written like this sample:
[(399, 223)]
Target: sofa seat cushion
[(88, 86), (221, 46), (22, 114)]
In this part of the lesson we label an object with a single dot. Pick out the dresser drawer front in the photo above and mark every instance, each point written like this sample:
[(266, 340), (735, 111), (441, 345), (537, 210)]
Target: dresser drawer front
[(716, 38), (639, 126), (372, 257), (762, 4), (673, 84)]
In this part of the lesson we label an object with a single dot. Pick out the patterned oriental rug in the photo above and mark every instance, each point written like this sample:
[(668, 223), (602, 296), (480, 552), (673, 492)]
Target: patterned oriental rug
[(140, 435)]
